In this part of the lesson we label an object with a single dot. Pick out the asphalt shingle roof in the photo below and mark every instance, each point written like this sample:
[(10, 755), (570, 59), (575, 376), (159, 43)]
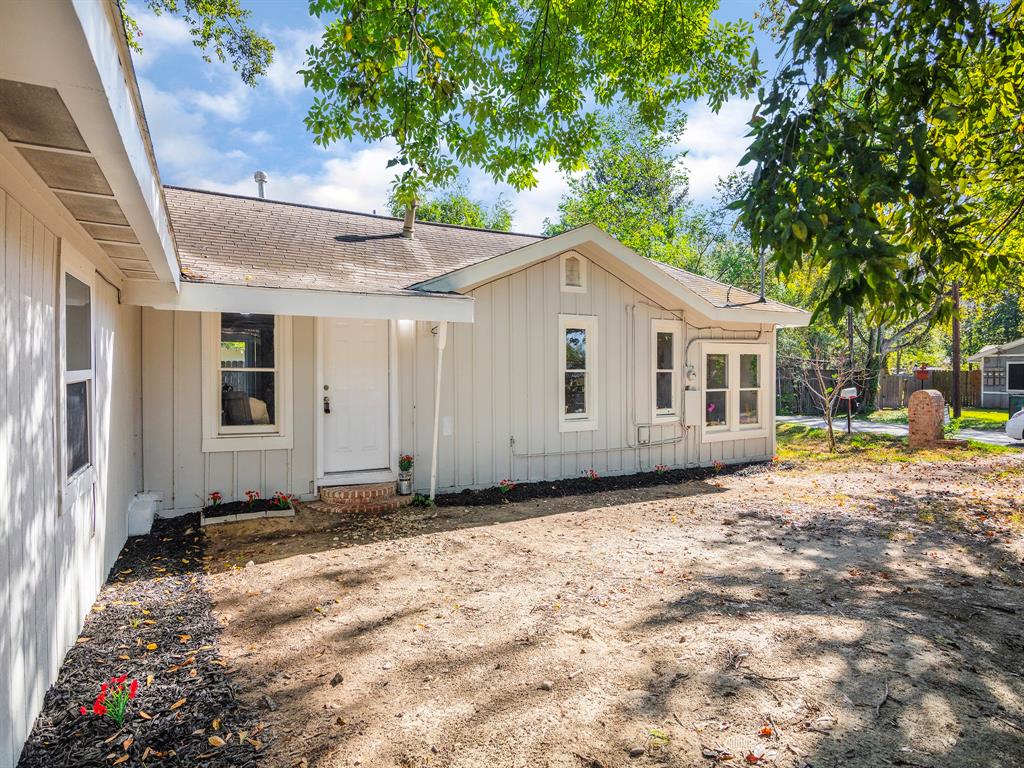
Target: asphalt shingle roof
[(235, 240)]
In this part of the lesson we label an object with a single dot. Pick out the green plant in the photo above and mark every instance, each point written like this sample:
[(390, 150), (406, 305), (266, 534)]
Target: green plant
[(419, 500), (112, 700), (251, 497), (505, 487), (405, 462), (282, 500)]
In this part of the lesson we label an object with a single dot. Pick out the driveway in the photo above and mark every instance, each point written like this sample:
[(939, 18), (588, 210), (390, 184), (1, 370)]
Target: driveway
[(900, 430)]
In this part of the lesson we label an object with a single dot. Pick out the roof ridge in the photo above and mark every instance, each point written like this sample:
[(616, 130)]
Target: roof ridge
[(350, 213)]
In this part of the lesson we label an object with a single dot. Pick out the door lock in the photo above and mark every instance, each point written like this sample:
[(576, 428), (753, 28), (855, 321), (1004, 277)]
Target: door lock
[(327, 404)]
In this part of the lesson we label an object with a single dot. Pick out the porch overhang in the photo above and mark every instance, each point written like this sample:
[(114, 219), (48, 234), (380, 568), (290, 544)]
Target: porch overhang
[(212, 297), (72, 125)]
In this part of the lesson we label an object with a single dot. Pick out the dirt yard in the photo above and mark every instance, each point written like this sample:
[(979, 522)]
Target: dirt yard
[(842, 613)]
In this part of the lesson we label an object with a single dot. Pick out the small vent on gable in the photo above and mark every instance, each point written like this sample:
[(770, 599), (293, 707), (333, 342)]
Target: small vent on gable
[(574, 273)]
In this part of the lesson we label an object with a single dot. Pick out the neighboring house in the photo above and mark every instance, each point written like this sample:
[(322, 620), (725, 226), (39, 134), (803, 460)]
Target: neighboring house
[(161, 343), (1002, 372)]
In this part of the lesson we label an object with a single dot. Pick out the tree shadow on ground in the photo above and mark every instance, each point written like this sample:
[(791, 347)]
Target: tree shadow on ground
[(316, 528), (859, 642)]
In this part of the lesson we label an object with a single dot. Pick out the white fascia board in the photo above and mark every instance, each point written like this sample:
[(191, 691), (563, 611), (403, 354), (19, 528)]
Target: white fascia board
[(77, 47), (128, 155), (468, 278), (210, 297)]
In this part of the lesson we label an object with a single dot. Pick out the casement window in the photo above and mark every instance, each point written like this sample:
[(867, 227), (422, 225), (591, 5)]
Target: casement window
[(994, 377), (735, 391), (247, 381), (78, 375), (573, 269), (1015, 377), (666, 349), (577, 354)]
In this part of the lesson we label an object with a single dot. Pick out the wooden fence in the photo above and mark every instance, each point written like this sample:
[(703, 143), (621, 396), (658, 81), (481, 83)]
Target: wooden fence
[(894, 389)]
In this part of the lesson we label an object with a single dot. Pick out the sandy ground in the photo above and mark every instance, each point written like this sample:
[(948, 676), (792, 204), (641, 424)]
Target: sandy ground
[(819, 615)]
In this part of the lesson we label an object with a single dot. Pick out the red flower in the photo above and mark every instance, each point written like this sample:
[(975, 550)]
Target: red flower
[(83, 710), (133, 689), (98, 708)]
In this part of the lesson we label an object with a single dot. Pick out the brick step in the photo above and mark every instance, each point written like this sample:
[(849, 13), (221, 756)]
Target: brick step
[(372, 498), (345, 494)]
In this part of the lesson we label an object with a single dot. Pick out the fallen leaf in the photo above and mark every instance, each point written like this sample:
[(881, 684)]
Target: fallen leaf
[(184, 638), (177, 704), (145, 715), (216, 723), (121, 759), (127, 743), (216, 741), (151, 647)]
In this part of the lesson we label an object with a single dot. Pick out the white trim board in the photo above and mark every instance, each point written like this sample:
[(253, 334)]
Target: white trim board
[(597, 245), (211, 297)]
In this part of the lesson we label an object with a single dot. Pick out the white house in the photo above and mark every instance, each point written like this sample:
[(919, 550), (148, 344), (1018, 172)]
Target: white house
[(161, 343), (1002, 372)]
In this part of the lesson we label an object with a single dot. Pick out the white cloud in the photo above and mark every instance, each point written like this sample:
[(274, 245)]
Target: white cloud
[(715, 144), (159, 34), (353, 180), (290, 54), (233, 105)]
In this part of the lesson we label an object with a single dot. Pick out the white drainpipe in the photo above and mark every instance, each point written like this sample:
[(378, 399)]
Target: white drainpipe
[(440, 339)]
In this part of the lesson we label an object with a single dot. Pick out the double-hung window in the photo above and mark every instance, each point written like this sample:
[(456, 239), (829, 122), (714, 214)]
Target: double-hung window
[(666, 344), (735, 392), (78, 375), (577, 354), (246, 381)]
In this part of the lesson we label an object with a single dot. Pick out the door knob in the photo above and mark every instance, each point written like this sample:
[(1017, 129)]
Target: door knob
[(327, 404)]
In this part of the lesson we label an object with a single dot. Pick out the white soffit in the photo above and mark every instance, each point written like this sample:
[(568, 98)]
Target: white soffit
[(70, 108)]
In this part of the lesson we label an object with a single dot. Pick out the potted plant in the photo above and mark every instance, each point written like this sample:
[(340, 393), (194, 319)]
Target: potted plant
[(405, 474)]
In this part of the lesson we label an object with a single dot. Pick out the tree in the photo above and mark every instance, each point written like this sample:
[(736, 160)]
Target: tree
[(634, 187), (454, 206), (220, 26), (887, 150), (509, 85)]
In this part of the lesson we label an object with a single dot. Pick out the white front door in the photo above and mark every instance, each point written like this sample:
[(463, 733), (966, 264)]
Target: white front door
[(355, 414)]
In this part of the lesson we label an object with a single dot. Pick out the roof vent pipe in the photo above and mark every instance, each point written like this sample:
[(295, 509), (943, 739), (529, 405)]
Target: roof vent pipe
[(409, 225), (260, 177)]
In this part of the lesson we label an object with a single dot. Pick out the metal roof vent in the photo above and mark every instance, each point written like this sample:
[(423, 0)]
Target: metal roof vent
[(261, 178)]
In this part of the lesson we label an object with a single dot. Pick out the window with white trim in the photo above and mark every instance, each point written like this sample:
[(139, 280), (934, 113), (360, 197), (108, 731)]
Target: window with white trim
[(573, 268), (248, 370), (1015, 377), (734, 390), (246, 381), (577, 353), (666, 345), (78, 375)]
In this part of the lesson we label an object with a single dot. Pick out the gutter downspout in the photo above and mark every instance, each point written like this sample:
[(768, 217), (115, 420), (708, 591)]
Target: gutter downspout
[(440, 340)]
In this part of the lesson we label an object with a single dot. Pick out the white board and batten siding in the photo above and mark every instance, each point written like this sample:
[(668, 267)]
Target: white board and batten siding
[(54, 557), (175, 464), (501, 378)]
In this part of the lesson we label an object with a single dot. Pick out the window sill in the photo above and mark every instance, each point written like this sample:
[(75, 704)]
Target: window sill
[(665, 418), (247, 443), (577, 425), (718, 436)]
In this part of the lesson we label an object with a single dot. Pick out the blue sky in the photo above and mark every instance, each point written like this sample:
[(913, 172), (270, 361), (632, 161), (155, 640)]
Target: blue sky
[(212, 132)]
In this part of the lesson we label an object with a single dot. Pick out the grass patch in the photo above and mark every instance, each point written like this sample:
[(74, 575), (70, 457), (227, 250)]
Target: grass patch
[(797, 442), (993, 419)]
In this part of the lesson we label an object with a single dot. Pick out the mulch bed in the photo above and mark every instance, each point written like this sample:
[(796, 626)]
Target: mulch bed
[(153, 622), (583, 485), (241, 507)]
